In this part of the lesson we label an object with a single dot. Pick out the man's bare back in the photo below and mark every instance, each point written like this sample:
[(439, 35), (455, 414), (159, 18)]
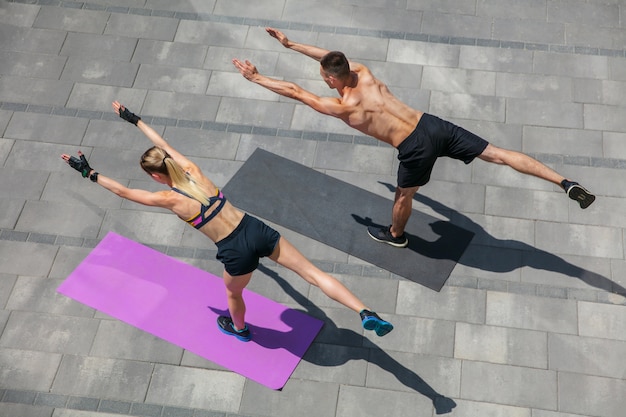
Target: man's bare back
[(372, 109)]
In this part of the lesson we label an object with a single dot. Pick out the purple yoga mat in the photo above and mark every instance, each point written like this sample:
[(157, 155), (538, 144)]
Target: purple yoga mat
[(180, 303)]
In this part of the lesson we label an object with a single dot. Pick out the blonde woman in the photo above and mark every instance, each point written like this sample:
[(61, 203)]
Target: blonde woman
[(240, 238)]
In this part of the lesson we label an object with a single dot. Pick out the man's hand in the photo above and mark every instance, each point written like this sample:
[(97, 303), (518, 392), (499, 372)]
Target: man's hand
[(246, 69), (280, 36)]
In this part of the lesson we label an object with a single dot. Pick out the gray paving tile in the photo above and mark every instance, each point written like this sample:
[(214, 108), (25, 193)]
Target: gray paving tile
[(334, 364), (187, 387), (212, 33), (85, 21), (423, 53), (181, 105), (510, 385), (150, 51), (501, 345), (560, 78), (111, 47), (115, 339), (455, 304), (10, 211), (349, 157), (95, 71), (587, 356), (320, 396), (146, 27), (584, 394), (602, 321), (9, 409), (27, 265), (26, 39), (182, 80), (18, 14), (69, 335), (56, 129), (532, 313), (501, 60), (21, 90), (38, 294), (454, 80), (27, 369), (90, 376), (426, 375), (360, 400), (607, 243), (476, 408), (31, 65), (59, 218)]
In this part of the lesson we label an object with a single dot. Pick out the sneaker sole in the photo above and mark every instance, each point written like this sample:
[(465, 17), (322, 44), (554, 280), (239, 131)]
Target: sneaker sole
[(584, 197), (396, 245)]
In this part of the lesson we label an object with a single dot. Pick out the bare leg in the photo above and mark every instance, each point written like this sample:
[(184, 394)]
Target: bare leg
[(520, 162), (402, 208), (288, 256), (236, 304)]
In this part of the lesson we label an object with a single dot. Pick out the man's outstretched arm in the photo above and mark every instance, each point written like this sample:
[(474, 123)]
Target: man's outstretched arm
[(325, 105), (309, 50)]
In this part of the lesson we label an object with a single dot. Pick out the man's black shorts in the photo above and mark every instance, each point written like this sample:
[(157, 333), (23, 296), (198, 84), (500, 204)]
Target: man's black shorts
[(432, 138), (240, 251)]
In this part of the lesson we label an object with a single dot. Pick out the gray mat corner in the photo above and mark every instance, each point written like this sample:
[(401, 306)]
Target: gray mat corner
[(337, 214)]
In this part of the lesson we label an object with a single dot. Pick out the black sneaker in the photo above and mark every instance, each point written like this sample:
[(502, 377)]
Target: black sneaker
[(226, 325), (577, 192), (371, 321), (383, 234)]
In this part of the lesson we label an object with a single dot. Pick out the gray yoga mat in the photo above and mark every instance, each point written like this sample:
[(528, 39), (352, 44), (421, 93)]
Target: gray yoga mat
[(337, 214)]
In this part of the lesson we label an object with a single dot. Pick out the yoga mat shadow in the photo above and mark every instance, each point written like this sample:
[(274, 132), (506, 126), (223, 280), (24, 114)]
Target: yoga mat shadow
[(180, 303), (337, 214)]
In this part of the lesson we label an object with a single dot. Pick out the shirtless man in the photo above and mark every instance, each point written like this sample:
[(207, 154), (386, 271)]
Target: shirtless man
[(367, 105)]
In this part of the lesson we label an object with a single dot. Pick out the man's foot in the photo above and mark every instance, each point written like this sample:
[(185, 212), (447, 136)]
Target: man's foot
[(226, 325), (383, 234), (371, 321), (577, 192)]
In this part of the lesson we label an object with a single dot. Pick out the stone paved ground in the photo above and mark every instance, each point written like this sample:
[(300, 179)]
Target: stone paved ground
[(530, 323)]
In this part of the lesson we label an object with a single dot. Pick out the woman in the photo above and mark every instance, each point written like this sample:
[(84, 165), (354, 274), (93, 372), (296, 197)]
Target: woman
[(240, 238)]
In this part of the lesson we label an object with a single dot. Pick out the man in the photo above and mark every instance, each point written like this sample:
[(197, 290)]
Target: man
[(367, 105)]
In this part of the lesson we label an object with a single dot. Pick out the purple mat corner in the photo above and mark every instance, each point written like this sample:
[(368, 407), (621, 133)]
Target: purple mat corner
[(180, 303)]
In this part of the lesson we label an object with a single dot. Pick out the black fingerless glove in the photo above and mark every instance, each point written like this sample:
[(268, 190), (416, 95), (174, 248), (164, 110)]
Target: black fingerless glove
[(80, 164), (129, 116)]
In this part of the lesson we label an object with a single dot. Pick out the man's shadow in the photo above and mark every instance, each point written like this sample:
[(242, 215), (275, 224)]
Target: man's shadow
[(522, 255), (373, 354)]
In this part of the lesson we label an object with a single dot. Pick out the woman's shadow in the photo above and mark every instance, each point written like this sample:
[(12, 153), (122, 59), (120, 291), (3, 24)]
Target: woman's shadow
[(373, 354), (510, 260)]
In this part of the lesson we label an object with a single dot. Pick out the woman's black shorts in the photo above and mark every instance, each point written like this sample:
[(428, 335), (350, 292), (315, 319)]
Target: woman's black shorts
[(240, 251), (432, 138)]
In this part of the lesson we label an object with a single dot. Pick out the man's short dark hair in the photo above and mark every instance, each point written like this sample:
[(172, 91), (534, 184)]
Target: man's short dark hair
[(336, 64)]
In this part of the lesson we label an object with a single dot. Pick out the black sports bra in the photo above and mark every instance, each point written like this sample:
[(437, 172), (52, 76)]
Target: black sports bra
[(199, 219)]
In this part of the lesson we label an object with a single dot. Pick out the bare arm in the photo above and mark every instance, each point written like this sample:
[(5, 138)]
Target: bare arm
[(157, 140), (325, 105), (144, 197), (309, 50)]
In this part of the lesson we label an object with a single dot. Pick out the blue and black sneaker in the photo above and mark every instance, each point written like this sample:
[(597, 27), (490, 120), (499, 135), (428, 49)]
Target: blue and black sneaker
[(226, 325), (371, 321)]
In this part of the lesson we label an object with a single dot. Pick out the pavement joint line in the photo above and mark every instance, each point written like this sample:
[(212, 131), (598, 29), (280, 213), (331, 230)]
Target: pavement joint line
[(558, 159), (522, 288), (103, 405), (387, 34)]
